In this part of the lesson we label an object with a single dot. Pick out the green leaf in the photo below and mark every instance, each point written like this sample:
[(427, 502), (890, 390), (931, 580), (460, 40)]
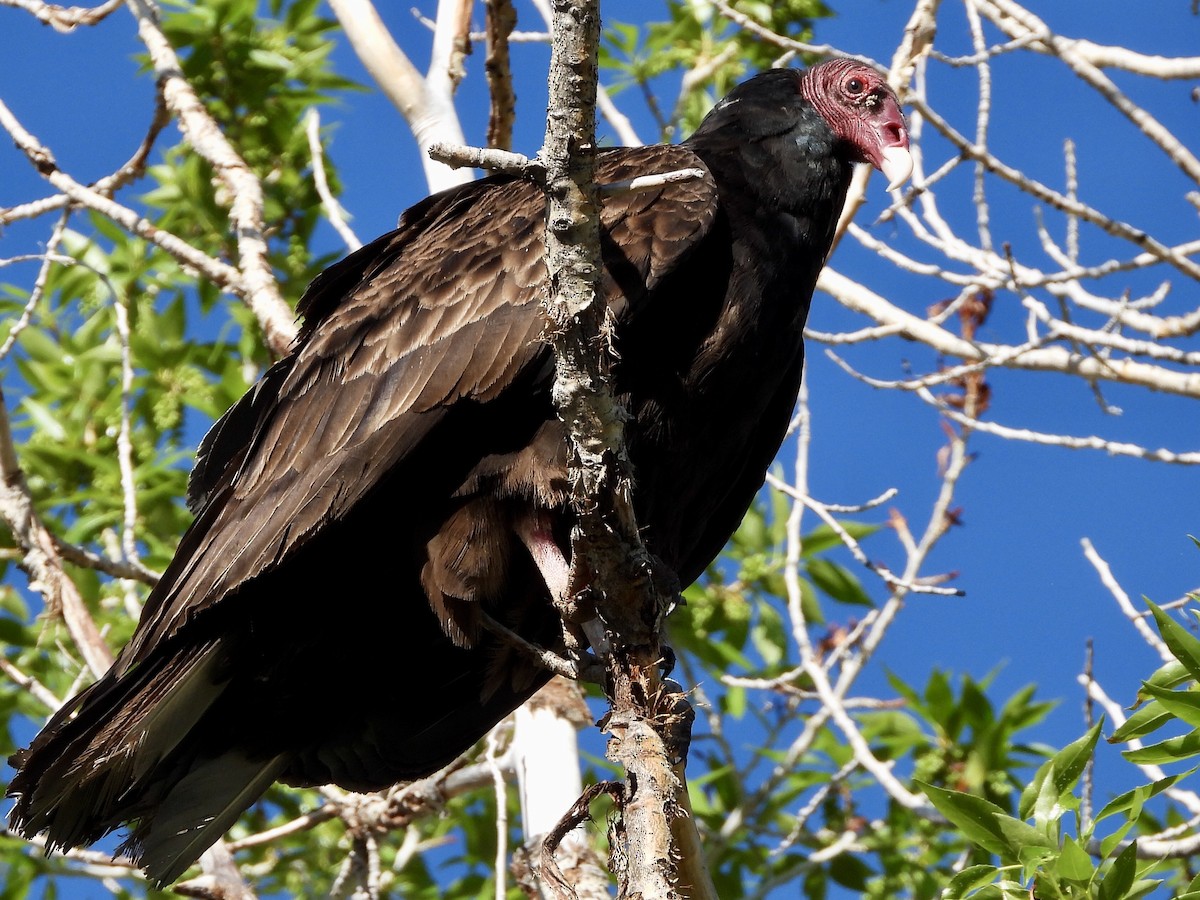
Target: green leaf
[(850, 872), (1074, 863), (44, 419), (1169, 675), (1184, 705), (735, 701), (1142, 887), (1049, 794), (1148, 718), (837, 582), (1183, 646), (1120, 876), (1131, 802), (270, 59), (1168, 751), (14, 634), (968, 880), (823, 538), (986, 824)]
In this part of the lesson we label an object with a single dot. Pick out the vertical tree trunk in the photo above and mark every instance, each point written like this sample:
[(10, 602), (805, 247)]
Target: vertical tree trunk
[(608, 557)]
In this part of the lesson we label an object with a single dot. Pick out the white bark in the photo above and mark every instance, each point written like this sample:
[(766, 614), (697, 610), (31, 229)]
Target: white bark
[(425, 101)]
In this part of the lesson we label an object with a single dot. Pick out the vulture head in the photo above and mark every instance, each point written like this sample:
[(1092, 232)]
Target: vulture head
[(840, 107), (864, 112)]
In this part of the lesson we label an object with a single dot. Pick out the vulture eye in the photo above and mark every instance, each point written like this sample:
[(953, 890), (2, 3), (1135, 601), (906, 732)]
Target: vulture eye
[(854, 87)]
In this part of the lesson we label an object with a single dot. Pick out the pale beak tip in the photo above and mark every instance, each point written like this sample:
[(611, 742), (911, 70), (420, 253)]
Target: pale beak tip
[(897, 166)]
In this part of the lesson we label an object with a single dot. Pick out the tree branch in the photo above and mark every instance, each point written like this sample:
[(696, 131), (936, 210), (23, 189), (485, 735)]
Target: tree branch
[(608, 556), (65, 19), (429, 113), (259, 288)]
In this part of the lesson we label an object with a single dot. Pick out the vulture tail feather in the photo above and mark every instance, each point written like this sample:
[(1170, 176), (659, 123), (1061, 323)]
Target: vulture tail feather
[(197, 811), (86, 775)]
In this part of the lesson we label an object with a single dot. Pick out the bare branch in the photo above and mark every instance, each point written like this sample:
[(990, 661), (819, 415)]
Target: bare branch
[(1148, 634), (1016, 21), (458, 156), (133, 169), (825, 50), (889, 578), (1047, 359), (1070, 442), (39, 284), (259, 289), (66, 19), (115, 567), (38, 690), (501, 19), (1059, 201), (429, 112), (301, 823), (124, 441), (219, 273), (333, 210)]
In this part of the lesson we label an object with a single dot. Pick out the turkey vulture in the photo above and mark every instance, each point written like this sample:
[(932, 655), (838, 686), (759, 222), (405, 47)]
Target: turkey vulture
[(402, 471)]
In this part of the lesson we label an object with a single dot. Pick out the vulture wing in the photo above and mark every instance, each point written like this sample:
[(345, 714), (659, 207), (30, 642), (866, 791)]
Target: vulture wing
[(402, 375), (444, 310)]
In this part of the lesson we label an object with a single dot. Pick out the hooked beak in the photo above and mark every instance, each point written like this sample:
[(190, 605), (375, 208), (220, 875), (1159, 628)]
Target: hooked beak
[(896, 165), (890, 153)]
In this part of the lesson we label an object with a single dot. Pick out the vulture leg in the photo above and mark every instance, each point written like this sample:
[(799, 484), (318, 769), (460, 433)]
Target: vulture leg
[(536, 534)]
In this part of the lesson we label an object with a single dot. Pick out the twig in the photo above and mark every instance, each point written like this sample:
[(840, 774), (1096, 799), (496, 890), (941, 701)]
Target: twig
[(115, 567), (301, 823), (133, 169), (501, 18), (549, 873), (333, 210), (65, 19), (39, 284), (219, 273), (124, 442), (1140, 625), (1070, 442), (259, 288), (825, 514), (1016, 21), (1045, 359), (822, 50), (1088, 786), (1113, 227), (648, 182), (458, 156), (982, 118), (38, 690)]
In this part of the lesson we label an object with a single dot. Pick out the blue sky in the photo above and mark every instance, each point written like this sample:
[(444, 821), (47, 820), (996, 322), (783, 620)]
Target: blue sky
[(1032, 600)]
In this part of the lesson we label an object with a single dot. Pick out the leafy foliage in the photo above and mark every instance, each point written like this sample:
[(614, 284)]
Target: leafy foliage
[(1053, 847)]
